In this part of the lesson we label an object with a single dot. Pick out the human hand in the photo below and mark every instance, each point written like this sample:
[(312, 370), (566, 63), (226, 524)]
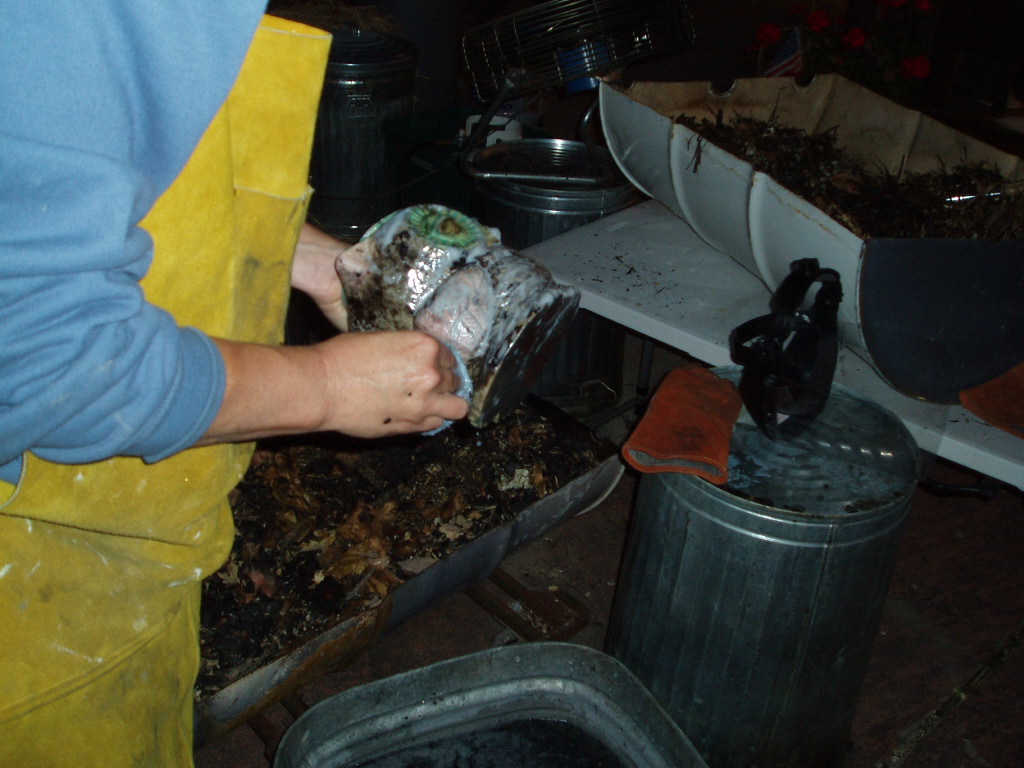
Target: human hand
[(314, 273), (367, 384), (382, 383)]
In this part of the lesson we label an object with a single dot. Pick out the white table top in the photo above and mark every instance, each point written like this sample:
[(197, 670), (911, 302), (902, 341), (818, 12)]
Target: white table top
[(646, 269)]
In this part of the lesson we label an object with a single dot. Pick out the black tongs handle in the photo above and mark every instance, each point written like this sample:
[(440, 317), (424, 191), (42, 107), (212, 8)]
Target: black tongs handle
[(789, 356)]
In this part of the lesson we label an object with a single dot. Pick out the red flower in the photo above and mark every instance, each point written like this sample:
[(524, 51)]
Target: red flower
[(767, 34), (817, 21), (923, 5), (916, 67), (854, 38)]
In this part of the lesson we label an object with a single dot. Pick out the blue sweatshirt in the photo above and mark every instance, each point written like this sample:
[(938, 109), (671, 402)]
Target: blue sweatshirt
[(102, 103)]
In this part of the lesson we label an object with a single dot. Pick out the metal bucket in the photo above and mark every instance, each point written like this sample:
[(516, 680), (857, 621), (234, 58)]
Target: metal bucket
[(370, 80), (528, 211), (749, 610), (544, 705), (584, 372)]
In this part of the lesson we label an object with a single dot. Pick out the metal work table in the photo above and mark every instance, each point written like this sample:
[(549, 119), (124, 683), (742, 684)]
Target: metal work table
[(647, 270)]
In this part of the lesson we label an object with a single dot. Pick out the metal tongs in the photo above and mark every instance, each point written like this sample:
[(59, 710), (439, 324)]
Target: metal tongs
[(789, 356)]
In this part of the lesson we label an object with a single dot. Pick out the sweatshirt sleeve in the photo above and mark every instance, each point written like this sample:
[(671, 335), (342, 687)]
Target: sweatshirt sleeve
[(92, 369), (103, 104)]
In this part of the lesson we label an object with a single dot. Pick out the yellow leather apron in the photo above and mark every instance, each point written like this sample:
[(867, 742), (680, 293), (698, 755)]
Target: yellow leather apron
[(100, 564)]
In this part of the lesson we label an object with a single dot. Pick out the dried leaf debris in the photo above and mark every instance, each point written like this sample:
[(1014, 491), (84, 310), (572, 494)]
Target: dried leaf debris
[(963, 202), (327, 528)]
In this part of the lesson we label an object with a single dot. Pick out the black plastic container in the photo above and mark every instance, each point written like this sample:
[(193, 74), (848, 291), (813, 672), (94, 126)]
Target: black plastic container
[(354, 170)]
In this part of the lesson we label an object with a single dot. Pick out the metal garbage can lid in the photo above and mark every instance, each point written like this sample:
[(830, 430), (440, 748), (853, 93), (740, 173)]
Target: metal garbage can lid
[(855, 457), (368, 53), (552, 164)]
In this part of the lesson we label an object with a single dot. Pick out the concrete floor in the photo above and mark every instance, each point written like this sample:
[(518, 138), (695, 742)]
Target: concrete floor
[(945, 684)]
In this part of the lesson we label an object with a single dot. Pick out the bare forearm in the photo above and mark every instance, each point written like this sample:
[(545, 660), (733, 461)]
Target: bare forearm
[(270, 391), (314, 274), (367, 384)]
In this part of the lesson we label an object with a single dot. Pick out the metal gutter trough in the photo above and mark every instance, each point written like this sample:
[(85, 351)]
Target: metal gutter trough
[(470, 563)]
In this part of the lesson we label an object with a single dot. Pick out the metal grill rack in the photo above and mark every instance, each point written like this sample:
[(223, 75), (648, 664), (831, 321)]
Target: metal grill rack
[(559, 41)]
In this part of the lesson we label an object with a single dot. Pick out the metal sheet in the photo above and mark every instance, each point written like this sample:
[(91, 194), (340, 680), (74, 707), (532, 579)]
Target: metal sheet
[(919, 344), (240, 700)]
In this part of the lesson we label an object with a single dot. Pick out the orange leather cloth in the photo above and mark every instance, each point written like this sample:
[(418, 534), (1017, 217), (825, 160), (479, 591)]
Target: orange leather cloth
[(1000, 402), (687, 427)]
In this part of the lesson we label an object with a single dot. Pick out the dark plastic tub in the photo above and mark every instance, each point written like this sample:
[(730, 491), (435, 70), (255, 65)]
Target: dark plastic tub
[(543, 705)]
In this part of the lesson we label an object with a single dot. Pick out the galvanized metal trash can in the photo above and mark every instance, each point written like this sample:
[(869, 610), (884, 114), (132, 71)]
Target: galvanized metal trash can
[(584, 372), (370, 80), (529, 211), (749, 610)]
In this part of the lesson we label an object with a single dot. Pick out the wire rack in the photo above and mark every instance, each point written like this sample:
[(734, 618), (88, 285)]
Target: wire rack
[(556, 42)]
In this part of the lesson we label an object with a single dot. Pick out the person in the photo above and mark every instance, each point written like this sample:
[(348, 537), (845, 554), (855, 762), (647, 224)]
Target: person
[(153, 188)]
